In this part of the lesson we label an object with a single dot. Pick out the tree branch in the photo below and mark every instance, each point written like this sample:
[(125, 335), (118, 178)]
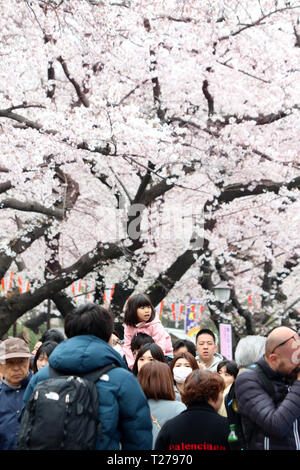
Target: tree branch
[(245, 73), (232, 192), (259, 21), (11, 203), (6, 113), (5, 186), (20, 244), (17, 304), (167, 280), (81, 96), (209, 98)]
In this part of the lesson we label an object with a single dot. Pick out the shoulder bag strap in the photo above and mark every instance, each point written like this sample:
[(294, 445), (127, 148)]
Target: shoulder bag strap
[(155, 421)]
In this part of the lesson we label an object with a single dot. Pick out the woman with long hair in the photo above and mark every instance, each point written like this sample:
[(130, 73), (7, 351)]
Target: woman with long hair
[(156, 381)]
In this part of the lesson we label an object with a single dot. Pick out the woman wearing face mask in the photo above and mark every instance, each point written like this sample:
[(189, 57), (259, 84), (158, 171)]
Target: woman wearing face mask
[(181, 366)]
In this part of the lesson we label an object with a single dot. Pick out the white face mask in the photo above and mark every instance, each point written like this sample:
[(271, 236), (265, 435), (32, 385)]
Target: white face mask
[(181, 373)]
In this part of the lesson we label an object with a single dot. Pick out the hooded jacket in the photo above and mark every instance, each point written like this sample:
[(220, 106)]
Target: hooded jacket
[(123, 408), (269, 423), (213, 366), (154, 329)]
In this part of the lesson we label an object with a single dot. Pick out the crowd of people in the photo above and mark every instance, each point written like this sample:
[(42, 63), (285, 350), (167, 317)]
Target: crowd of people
[(161, 395)]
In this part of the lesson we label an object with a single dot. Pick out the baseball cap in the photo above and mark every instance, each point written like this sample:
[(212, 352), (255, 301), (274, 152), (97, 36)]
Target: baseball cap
[(13, 347)]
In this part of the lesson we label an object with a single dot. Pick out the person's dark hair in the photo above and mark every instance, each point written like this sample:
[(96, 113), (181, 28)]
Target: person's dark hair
[(231, 367), (156, 381), (115, 332), (201, 386), (47, 347), (133, 303), (206, 331), (184, 355), (156, 352), (89, 319), (52, 335), (181, 343), (139, 340)]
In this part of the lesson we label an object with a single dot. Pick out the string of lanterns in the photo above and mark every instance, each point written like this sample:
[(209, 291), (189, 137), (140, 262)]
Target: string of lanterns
[(87, 287)]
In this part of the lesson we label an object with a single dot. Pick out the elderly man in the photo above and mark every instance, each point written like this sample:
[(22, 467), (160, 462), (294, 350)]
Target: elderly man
[(14, 368), (272, 422)]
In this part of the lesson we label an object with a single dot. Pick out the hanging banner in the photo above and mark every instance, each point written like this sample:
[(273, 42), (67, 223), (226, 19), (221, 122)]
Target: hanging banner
[(89, 288), (86, 290), (6, 282), (177, 310), (225, 341), (159, 309), (192, 321), (76, 287), (23, 285), (254, 302), (108, 295), (193, 311)]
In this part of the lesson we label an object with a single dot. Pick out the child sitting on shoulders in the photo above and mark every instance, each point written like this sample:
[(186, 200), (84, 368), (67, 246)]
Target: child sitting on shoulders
[(140, 317)]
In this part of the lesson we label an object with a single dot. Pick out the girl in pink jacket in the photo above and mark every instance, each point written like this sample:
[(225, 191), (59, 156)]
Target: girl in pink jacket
[(140, 317)]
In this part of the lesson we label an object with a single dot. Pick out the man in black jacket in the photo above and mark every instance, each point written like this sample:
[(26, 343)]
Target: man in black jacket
[(273, 422)]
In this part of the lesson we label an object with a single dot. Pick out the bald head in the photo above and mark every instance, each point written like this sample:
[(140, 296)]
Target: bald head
[(276, 337)]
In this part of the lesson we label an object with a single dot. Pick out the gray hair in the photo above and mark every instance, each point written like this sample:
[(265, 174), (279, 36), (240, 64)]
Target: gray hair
[(249, 350)]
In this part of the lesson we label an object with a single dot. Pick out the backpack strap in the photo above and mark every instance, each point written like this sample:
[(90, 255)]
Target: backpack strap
[(93, 376)]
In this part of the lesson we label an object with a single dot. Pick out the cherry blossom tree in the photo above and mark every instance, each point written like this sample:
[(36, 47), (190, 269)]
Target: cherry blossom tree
[(153, 146)]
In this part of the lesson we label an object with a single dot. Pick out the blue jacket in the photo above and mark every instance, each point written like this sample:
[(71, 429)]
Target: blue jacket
[(269, 423), (11, 401), (123, 410)]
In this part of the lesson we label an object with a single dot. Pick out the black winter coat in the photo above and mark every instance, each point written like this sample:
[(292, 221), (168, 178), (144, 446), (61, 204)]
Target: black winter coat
[(269, 423), (199, 427)]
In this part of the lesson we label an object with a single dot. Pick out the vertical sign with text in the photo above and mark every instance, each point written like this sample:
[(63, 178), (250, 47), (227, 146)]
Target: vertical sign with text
[(225, 341)]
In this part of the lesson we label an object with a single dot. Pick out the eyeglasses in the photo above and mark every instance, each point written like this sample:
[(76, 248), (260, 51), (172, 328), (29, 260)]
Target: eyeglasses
[(284, 342)]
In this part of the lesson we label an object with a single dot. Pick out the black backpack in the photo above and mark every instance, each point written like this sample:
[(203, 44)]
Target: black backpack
[(62, 413), (233, 414)]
